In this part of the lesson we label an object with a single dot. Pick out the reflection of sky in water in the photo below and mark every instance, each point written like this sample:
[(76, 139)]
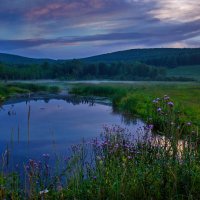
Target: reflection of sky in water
[(54, 126)]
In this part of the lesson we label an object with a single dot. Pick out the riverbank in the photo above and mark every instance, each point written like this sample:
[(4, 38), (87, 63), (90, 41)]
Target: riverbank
[(20, 89), (136, 99)]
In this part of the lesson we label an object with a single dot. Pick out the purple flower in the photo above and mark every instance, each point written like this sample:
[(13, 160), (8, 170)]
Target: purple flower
[(129, 157), (171, 104), (155, 101), (166, 97), (159, 109), (117, 145), (189, 124), (149, 127)]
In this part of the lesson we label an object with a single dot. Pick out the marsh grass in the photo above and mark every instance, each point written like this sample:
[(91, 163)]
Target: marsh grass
[(10, 89), (136, 99)]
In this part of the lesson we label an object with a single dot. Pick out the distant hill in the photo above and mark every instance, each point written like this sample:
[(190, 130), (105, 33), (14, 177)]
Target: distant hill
[(169, 57), (134, 64), (14, 59)]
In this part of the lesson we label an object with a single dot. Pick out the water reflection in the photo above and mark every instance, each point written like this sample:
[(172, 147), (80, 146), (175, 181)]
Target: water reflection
[(29, 114), (172, 146), (31, 127)]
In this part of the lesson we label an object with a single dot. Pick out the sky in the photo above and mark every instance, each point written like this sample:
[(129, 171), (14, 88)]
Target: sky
[(63, 29)]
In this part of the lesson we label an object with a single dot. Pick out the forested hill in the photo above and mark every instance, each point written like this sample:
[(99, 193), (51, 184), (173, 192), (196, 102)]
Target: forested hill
[(136, 64), (168, 57), (15, 59)]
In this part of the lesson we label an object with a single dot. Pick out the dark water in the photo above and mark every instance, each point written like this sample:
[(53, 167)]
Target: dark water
[(30, 129)]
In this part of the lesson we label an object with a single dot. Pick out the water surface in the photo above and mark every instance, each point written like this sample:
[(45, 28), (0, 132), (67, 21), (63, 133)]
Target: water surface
[(29, 129)]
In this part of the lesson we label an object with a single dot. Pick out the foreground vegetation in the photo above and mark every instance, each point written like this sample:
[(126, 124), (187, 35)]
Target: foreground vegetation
[(117, 165)]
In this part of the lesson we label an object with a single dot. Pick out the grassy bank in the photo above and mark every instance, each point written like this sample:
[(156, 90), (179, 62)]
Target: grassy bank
[(11, 89), (136, 99)]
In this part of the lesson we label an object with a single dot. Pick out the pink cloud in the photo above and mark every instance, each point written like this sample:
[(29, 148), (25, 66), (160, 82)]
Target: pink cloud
[(75, 8)]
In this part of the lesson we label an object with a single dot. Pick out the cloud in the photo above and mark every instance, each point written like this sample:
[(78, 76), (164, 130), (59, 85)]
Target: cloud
[(177, 10), (97, 24)]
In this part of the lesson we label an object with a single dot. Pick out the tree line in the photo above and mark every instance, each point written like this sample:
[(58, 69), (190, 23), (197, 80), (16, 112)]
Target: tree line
[(79, 70)]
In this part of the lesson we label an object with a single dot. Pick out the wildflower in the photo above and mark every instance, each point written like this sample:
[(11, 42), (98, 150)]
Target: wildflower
[(129, 157), (166, 97), (155, 101), (116, 146), (148, 127), (94, 177), (188, 123), (159, 109), (171, 104), (44, 191)]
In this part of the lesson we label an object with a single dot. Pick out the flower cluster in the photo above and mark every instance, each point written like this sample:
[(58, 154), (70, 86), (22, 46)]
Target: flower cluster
[(38, 172), (167, 118)]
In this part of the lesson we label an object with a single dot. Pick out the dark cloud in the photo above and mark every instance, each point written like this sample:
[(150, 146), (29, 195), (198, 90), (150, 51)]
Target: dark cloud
[(35, 26)]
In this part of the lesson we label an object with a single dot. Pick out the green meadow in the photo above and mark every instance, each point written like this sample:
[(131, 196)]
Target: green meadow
[(192, 71), (136, 98)]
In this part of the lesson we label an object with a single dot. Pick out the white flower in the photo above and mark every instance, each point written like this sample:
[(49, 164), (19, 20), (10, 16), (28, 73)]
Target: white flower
[(44, 191)]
